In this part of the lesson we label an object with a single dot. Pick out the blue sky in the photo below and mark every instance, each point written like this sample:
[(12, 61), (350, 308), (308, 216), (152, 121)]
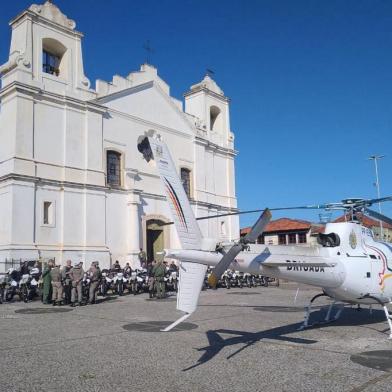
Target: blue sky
[(310, 83)]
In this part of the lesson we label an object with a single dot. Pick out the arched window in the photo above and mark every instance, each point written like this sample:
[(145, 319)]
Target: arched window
[(214, 116), (113, 168), (186, 180), (53, 57)]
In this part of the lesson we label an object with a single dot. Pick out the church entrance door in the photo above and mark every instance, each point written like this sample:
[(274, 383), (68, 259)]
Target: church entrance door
[(155, 239)]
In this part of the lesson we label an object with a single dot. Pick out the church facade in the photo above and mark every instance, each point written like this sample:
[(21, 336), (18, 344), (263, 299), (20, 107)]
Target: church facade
[(72, 183)]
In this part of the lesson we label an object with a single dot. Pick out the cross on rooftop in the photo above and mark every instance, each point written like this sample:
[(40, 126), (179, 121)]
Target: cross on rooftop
[(149, 51)]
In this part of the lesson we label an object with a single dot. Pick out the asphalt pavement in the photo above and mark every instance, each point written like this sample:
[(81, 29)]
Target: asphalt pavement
[(238, 340)]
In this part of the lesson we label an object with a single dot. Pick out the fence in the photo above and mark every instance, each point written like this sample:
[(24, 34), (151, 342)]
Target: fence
[(6, 264)]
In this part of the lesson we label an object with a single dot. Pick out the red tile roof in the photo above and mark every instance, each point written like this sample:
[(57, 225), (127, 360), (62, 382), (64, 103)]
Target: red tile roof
[(366, 221), (282, 224)]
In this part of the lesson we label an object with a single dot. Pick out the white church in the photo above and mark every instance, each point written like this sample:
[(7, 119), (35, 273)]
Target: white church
[(72, 183)]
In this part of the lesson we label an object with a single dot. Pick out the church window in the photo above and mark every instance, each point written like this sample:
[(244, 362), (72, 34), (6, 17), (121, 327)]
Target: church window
[(214, 116), (50, 63), (113, 168), (54, 59), (223, 228), (186, 180), (48, 213), (282, 239)]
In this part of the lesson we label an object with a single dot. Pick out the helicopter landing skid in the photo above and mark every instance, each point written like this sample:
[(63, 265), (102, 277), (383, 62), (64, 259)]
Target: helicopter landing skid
[(327, 318), (388, 315)]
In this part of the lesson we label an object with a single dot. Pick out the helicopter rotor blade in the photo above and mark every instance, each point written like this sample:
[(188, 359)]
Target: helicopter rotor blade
[(314, 207), (229, 257), (327, 206), (380, 200), (378, 216)]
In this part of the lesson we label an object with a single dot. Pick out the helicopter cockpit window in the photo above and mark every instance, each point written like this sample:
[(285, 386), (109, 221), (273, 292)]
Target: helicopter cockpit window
[(328, 240)]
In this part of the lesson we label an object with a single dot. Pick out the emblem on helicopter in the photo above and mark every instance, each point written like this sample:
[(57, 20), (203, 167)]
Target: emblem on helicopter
[(353, 239)]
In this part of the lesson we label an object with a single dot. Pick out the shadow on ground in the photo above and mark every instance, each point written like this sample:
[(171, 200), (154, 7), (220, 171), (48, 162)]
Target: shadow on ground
[(350, 317)]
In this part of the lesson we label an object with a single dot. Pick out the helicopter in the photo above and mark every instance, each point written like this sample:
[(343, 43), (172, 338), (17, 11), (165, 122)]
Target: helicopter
[(347, 263)]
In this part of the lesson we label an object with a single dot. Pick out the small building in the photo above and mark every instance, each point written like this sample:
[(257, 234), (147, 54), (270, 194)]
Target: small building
[(286, 231)]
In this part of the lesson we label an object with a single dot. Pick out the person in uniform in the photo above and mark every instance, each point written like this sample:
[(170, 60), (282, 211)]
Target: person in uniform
[(47, 283), (159, 272), (173, 267), (57, 287), (95, 278), (67, 281), (116, 267), (150, 275), (76, 276), (142, 258), (127, 270)]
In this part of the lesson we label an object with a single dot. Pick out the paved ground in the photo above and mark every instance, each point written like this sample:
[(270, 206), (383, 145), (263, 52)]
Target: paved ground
[(238, 340)]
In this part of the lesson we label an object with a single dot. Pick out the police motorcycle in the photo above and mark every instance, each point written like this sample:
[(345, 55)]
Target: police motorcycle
[(35, 274), (28, 284), (106, 282), (139, 281), (226, 279), (240, 279), (85, 287), (248, 280), (12, 287), (144, 280), (235, 279), (127, 278), (3, 285), (118, 282), (171, 280), (133, 281)]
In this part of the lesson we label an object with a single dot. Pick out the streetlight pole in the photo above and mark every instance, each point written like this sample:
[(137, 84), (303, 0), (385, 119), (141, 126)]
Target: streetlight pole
[(376, 158)]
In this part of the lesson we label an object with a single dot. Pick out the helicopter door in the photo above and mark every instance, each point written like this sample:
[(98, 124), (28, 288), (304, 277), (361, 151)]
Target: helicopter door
[(376, 267)]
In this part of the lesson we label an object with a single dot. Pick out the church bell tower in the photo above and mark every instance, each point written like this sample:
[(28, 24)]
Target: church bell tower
[(46, 52), (207, 102)]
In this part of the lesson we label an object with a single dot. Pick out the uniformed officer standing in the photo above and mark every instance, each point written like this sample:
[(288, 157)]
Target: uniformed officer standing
[(95, 277), (67, 281), (76, 276), (57, 287), (150, 275), (159, 271), (142, 258), (47, 283)]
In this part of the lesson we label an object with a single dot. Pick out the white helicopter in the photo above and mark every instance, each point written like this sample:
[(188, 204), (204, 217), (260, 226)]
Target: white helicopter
[(347, 264)]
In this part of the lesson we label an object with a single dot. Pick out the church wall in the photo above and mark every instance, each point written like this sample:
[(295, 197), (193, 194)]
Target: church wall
[(74, 217), (95, 222), (24, 130), (49, 139), (75, 140), (49, 234), (8, 123), (5, 213), (116, 224)]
